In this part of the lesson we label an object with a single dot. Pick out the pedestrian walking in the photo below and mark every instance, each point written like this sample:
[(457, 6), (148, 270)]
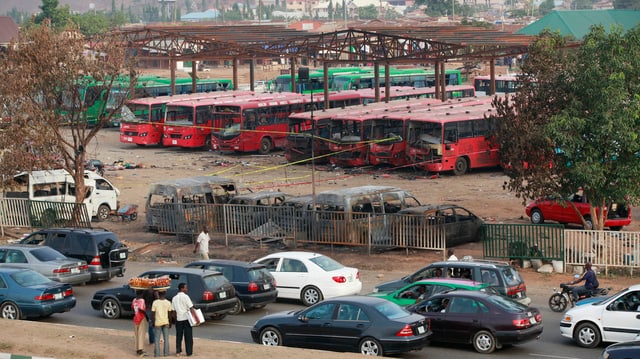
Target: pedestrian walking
[(202, 243)]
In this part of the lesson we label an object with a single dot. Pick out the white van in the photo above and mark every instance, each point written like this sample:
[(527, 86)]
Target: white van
[(59, 186)]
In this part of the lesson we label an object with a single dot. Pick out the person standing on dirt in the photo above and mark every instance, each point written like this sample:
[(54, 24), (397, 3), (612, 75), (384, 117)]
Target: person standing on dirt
[(590, 282), (139, 322), (182, 304), (150, 295), (202, 243), (161, 324)]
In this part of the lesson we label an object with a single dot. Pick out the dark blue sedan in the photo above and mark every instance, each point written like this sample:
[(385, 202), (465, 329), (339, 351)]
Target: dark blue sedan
[(369, 325), (25, 293)]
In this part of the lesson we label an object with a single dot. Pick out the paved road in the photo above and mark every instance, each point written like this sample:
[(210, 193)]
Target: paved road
[(236, 328)]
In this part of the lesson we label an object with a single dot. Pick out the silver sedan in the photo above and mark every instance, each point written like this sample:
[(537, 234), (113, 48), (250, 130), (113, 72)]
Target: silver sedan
[(46, 261)]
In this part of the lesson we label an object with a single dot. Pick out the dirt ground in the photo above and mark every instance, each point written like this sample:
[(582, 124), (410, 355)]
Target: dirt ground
[(480, 191)]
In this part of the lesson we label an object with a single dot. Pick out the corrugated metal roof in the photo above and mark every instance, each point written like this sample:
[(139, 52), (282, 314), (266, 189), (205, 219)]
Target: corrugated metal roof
[(576, 23)]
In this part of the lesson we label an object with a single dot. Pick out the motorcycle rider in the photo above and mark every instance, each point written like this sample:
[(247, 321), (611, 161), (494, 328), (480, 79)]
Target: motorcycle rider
[(590, 282)]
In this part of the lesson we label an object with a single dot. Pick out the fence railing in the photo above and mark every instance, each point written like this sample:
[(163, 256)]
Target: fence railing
[(604, 249), (304, 226), (523, 241), (24, 213)]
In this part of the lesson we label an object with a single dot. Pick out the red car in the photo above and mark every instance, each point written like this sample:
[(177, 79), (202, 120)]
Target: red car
[(560, 210)]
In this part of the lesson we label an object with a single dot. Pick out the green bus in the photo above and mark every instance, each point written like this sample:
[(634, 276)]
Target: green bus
[(282, 83), (97, 104), (398, 77)]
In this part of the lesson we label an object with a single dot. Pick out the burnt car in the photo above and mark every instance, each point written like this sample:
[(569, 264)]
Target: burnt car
[(254, 284), (210, 291), (460, 225), (253, 210)]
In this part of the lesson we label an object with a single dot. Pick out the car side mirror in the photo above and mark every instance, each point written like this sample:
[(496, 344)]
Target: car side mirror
[(303, 318)]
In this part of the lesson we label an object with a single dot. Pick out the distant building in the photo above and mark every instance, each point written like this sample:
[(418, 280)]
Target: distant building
[(210, 14), (8, 31)]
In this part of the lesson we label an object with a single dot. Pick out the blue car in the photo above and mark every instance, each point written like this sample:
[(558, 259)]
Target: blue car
[(25, 293)]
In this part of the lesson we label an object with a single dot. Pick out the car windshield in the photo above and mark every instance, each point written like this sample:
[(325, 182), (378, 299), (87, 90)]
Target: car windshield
[(46, 254), (391, 310), (326, 263), (259, 274), (511, 276), (506, 304), (28, 278)]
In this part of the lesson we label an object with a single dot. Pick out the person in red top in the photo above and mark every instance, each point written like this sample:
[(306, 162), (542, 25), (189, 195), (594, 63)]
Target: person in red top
[(140, 322)]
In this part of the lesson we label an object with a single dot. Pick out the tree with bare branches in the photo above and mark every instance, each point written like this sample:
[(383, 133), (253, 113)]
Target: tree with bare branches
[(46, 79)]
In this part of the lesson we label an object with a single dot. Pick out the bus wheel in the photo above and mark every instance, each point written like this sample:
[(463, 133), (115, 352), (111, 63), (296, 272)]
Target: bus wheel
[(461, 166), (265, 146)]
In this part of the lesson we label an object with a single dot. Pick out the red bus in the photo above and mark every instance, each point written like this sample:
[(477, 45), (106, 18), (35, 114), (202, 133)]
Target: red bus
[(142, 121), (189, 124), (407, 92), (452, 142), (353, 135), (262, 126), (389, 144), (298, 141)]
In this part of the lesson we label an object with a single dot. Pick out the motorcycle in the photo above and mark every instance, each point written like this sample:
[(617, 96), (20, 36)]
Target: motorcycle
[(561, 298)]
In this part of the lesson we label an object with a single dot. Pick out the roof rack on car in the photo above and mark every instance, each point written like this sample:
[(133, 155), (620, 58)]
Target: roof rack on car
[(471, 259)]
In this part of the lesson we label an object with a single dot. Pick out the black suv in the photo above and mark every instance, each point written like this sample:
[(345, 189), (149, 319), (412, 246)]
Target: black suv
[(254, 284), (502, 276), (101, 249), (209, 291)]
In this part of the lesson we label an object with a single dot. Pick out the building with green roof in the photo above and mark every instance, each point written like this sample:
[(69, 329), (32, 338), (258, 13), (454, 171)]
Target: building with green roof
[(577, 23)]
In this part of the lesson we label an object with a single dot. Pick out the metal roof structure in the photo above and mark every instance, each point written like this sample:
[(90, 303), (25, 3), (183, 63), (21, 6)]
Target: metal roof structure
[(380, 45), (389, 44)]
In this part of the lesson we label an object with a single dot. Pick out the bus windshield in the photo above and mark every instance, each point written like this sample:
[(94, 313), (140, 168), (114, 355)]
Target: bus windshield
[(179, 114)]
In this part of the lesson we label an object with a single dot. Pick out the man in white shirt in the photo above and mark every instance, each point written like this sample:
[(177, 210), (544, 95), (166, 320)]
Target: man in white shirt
[(202, 243), (452, 256), (182, 304)]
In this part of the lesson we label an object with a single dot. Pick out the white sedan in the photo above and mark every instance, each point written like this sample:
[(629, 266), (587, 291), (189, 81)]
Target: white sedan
[(311, 277), (614, 319)]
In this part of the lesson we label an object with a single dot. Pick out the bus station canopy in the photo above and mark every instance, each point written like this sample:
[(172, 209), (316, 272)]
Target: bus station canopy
[(423, 44)]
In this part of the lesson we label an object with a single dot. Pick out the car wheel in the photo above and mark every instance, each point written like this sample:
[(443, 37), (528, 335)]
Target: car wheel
[(558, 303), (238, 308), (265, 146), (111, 308), (370, 346), (587, 335), (537, 217), (270, 336), (10, 311), (589, 222), (461, 166), (484, 342), (103, 213), (310, 296)]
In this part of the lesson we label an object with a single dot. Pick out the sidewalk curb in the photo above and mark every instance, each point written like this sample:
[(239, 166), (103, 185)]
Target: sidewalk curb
[(15, 356)]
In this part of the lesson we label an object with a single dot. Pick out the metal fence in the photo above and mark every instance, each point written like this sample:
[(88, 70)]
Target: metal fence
[(604, 249), (303, 226), (523, 241), (24, 213)]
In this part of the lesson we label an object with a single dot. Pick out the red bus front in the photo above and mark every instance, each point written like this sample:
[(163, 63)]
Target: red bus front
[(188, 125), (388, 145), (142, 123), (349, 142)]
